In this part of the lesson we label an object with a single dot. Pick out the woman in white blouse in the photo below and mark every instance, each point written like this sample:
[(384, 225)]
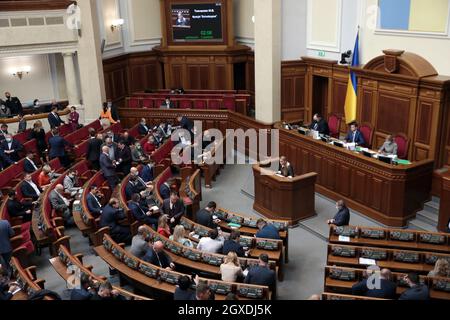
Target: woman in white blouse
[(230, 269)]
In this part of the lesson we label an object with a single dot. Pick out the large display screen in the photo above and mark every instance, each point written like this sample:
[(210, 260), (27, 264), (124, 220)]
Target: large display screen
[(200, 22)]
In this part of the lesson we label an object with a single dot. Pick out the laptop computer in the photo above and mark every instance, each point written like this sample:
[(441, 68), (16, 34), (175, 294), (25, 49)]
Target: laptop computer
[(384, 159), (367, 154)]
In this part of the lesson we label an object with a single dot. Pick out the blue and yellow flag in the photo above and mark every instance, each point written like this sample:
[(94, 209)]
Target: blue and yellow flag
[(352, 90)]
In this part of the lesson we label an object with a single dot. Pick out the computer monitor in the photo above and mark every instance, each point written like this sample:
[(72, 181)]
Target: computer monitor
[(338, 144), (384, 159)]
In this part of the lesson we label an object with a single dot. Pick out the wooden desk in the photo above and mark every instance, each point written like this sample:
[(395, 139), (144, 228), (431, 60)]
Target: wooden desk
[(389, 194), (444, 209), (284, 198)]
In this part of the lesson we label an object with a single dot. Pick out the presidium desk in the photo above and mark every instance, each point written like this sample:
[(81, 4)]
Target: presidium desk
[(390, 194)]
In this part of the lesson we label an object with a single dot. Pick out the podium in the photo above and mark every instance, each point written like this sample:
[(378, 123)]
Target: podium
[(276, 197)]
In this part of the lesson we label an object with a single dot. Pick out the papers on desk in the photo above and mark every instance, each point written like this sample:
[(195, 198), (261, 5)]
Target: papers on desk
[(195, 236), (234, 225), (344, 239), (367, 262), (245, 272), (16, 291)]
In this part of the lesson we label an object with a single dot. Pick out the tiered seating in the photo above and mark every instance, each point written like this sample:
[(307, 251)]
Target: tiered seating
[(84, 219), (341, 280), (27, 280), (212, 100), (391, 238), (64, 264), (161, 283), (211, 169), (162, 155), (248, 226), (48, 226), (23, 136), (393, 259), (273, 248), (191, 189)]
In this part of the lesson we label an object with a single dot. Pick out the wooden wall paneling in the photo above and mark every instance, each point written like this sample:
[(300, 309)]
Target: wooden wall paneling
[(293, 89), (32, 5)]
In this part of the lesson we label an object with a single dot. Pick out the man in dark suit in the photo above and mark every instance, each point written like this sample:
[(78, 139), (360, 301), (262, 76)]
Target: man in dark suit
[(133, 186), (143, 129), (123, 157), (164, 189), (386, 290), (167, 104), (173, 208), (18, 209), (6, 233), (85, 292), (13, 103), (108, 168), (30, 189), (93, 201), (266, 230), (183, 291), (5, 161), (261, 274), (342, 218), (94, 148), (319, 124), (205, 216), (232, 244), (285, 168), (417, 291), (354, 135), (186, 123), (29, 166), (112, 151), (111, 216), (147, 172), (157, 256), (57, 148), (3, 131), (54, 119), (127, 139), (11, 148), (142, 213)]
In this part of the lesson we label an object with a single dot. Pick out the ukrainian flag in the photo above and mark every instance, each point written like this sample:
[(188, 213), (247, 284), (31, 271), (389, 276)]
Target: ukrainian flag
[(352, 90)]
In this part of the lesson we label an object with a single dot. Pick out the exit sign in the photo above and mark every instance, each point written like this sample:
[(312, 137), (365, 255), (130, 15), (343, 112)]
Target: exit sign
[(321, 53)]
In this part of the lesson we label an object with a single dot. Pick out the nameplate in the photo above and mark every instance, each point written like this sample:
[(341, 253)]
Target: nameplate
[(367, 262), (344, 239)]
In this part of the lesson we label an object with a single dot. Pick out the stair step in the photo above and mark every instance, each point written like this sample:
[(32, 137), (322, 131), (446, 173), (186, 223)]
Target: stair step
[(428, 217), (436, 199), (432, 207), (417, 224)]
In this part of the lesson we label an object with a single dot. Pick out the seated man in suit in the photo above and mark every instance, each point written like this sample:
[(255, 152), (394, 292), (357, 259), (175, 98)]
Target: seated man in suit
[(261, 274), (266, 230), (5, 161), (285, 168), (71, 183), (18, 209), (108, 168), (147, 173), (127, 139), (389, 147), (173, 208), (319, 124), (167, 104), (93, 201), (165, 189), (11, 148), (354, 135), (342, 217), (54, 119), (61, 204), (386, 290), (157, 256), (86, 290), (3, 131), (233, 245), (416, 291), (183, 290), (143, 129), (205, 216), (133, 186), (134, 172), (57, 148), (148, 216), (139, 243), (30, 189), (29, 166), (111, 216)]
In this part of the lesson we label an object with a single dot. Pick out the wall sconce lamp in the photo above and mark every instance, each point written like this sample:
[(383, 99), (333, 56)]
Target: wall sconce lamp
[(19, 72), (116, 24)]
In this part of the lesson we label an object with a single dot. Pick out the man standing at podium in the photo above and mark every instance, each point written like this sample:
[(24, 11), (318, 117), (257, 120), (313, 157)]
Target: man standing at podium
[(285, 168), (319, 124)]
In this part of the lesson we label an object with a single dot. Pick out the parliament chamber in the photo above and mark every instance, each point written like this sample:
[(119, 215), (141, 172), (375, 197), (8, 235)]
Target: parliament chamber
[(250, 150)]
